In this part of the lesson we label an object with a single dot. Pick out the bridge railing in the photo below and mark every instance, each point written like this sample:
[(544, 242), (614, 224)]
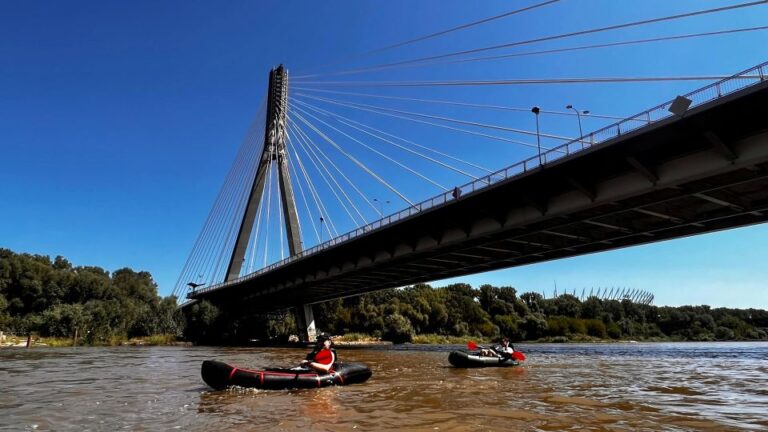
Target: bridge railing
[(646, 118)]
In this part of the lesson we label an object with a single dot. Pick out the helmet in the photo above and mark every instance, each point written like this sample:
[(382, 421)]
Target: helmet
[(322, 337)]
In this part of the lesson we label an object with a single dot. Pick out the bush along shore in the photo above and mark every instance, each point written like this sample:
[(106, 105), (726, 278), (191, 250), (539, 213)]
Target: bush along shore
[(59, 304)]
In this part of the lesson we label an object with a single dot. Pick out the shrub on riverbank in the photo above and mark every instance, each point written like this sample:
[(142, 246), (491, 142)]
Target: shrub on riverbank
[(444, 339), (58, 342), (161, 339), (356, 337)]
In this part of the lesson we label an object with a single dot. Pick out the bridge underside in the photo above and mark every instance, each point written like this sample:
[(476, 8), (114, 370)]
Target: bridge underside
[(705, 172)]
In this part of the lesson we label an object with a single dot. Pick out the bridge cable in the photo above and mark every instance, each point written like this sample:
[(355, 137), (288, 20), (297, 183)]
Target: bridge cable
[(236, 206), (605, 45), (223, 198), (340, 119), (269, 206), (318, 163), (436, 34), (297, 174), (466, 104), (225, 227), (466, 131), (272, 185), (324, 214), (341, 172), (222, 208), (445, 119), (234, 211), (193, 264), (533, 53), (379, 137), (255, 242), (315, 197), (280, 214), (401, 165), (523, 81), (579, 33), (358, 163), (317, 152), (344, 119), (235, 224), (315, 159)]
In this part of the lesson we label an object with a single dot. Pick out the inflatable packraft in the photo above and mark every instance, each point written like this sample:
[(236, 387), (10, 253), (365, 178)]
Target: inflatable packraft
[(468, 359), (220, 375)]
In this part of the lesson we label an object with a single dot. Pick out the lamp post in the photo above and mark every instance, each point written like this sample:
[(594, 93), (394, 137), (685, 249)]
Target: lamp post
[(535, 110), (321, 229), (381, 207), (578, 115)]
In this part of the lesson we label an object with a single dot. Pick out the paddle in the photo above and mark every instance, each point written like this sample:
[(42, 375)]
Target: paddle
[(473, 346), (517, 355)]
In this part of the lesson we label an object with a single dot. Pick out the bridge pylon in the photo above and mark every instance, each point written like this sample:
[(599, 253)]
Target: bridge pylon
[(274, 150)]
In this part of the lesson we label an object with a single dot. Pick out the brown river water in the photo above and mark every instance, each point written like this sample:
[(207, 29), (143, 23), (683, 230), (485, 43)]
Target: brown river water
[(633, 386)]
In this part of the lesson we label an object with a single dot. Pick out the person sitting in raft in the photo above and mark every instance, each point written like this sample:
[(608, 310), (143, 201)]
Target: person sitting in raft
[(323, 356), (502, 350)]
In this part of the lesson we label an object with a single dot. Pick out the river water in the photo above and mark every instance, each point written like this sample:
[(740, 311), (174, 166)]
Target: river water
[(637, 386)]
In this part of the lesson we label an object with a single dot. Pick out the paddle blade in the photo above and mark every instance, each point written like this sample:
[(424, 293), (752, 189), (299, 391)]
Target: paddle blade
[(517, 355), (471, 345)]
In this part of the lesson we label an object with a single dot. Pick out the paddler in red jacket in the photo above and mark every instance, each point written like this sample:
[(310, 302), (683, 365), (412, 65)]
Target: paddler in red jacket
[(323, 357)]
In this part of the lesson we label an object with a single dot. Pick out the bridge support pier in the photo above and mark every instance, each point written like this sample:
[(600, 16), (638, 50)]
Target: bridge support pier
[(305, 322)]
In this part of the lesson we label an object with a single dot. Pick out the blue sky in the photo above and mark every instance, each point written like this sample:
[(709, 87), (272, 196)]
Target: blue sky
[(118, 123)]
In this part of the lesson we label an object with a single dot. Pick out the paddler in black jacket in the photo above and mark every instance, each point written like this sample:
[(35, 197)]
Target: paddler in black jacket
[(502, 350)]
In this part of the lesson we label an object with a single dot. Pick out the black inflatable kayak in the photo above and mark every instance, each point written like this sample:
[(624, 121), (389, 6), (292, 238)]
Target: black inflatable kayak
[(469, 359), (220, 375)]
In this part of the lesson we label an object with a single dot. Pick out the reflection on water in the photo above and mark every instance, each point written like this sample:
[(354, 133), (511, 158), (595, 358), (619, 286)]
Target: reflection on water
[(716, 386)]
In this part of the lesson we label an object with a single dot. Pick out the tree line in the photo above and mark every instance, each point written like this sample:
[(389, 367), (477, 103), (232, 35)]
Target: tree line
[(489, 311), (53, 298), (459, 310)]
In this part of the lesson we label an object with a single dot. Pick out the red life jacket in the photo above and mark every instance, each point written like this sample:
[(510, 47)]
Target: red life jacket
[(325, 356)]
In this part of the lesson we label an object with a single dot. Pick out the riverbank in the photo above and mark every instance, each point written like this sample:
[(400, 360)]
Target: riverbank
[(37, 341), (350, 340), (434, 339)]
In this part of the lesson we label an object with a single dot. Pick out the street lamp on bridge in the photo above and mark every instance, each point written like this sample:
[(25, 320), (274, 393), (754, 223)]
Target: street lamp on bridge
[(381, 206), (321, 229), (536, 110), (578, 115)]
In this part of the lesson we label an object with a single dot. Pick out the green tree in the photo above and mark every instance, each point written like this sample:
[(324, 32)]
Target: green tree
[(64, 320), (592, 308), (398, 329), (201, 320), (567, 305), (534, 302)]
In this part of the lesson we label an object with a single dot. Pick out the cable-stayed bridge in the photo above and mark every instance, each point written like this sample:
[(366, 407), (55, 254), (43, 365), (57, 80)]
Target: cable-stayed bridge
[(695, 164)]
